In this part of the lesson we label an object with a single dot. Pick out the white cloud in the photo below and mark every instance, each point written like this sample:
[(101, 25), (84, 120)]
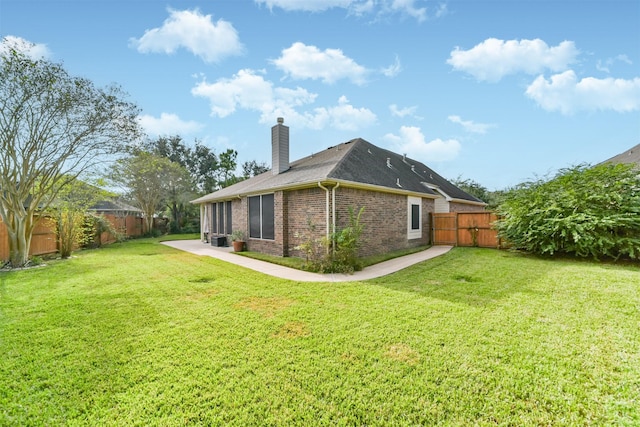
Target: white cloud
[(441, 10), (393, 69), (32, 50), (246, 89), (345, 116), (168, 124), (193, 31), (404, 112), (249, 90), (471, 126), (355, 7), (604, 65), (308, 62), (412, 142), (493, 58), (565, 93), (306, 5), (408, 7)]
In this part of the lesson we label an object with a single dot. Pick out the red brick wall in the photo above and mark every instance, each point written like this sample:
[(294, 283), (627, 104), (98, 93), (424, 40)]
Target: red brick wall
[(300, 216), (384, 219), (306, 217)]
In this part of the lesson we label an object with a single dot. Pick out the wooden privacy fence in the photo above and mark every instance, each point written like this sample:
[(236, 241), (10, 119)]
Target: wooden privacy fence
[(45, 241), (128, 225), (465, 229)]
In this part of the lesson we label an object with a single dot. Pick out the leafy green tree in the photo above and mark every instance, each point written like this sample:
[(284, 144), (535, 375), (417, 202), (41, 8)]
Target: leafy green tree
[(179, 190), (226, 168), (150, 181), (582, 210), (253, 168), (53, 128), (201, 161), (491, 198)]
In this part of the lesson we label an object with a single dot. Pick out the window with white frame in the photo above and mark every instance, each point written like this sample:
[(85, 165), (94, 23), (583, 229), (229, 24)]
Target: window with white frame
[(414, 217)]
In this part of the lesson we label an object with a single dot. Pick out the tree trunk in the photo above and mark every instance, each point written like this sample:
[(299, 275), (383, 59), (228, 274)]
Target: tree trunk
[(175, 213), (20, 230), (149, 222)]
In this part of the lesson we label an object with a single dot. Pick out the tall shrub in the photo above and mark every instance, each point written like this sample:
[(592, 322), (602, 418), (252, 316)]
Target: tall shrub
[(584, 211), (337, 253)]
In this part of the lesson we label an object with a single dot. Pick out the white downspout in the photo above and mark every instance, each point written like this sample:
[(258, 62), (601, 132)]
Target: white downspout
[(326, 207), (333, 214), (202, 220)]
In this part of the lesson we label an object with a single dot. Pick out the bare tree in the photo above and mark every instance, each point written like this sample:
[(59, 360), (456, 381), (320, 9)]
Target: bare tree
[(53, 127)]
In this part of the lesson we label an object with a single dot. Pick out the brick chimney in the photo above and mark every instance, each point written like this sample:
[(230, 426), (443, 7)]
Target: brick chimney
[(279, 147)]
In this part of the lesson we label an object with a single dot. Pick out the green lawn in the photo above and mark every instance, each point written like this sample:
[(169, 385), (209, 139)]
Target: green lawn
[(142, 334)]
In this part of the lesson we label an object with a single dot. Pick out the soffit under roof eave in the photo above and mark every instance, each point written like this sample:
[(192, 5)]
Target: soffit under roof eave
[(468, 202), (314, 183)]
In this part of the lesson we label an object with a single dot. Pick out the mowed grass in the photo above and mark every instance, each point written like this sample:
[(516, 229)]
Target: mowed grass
[(142, 334)]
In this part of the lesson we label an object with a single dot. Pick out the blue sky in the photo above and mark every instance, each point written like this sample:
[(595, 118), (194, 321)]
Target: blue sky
[(495, 91)]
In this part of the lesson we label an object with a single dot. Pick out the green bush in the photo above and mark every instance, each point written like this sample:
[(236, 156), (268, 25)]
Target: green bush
[(339, 252), (584, 211)]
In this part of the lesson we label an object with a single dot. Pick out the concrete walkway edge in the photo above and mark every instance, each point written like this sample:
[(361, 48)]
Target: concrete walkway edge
[(377, 270)]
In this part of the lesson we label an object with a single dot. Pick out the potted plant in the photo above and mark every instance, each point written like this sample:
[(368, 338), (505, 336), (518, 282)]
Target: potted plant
[(237, 239)]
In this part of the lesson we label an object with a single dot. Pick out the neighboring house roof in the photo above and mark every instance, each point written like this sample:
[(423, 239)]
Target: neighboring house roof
[(354, 163), (114, 206), (630, 156)]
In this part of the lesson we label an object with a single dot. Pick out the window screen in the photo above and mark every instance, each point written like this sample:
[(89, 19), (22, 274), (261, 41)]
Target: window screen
[(229, 222), (254, 217), (261, 217), (221, 217), (268, 217), (214, 223)]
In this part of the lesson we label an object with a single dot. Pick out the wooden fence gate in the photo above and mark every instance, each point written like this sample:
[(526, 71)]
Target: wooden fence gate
[(465, 229)]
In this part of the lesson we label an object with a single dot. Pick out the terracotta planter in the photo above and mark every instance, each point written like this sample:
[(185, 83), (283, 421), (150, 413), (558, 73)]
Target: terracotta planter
[(238, 245)]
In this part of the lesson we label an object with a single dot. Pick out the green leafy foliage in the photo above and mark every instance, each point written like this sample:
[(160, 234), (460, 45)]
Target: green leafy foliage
[(584, 211), (492, 198), (337, 253), (70, 209), (93, 228), (54, 127)]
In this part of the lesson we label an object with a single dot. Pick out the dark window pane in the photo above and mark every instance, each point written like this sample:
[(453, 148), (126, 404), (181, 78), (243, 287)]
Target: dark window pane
[(221, 218), (415, 217), (228, 205), (254, 217), (214, 223), (267, 217)]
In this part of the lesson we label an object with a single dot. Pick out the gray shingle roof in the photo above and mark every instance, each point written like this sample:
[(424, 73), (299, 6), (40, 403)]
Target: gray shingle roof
[(356, 162), (632, 155), (114, 205)]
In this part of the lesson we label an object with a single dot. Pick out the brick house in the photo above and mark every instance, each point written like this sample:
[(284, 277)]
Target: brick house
[(282, 208)]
